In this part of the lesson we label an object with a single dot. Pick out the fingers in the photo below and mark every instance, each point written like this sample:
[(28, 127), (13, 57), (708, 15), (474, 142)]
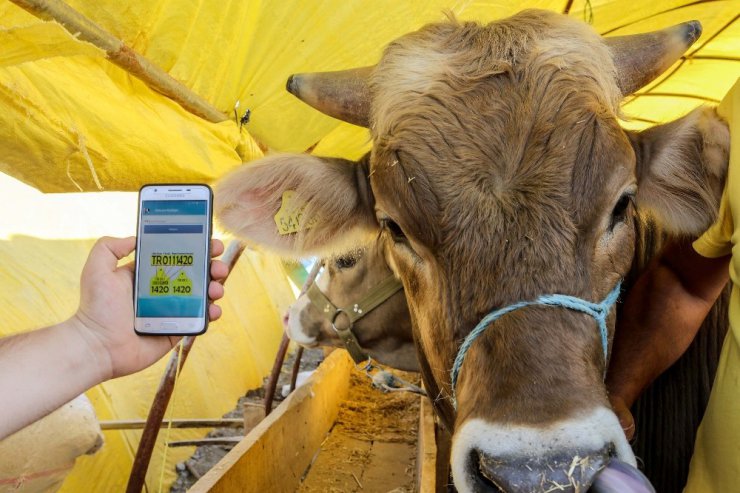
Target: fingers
[(626, 420), (219, 270), (628, 425), (215, 291), (214, 312), (217, 247)]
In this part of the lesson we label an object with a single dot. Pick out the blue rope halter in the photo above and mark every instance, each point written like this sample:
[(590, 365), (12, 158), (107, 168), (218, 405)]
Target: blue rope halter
[(598, 311)]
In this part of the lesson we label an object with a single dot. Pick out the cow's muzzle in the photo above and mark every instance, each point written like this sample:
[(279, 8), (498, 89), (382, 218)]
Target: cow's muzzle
[(568, 472)]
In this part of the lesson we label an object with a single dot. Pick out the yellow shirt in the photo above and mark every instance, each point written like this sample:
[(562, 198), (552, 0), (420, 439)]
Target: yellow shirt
[(715, 465)]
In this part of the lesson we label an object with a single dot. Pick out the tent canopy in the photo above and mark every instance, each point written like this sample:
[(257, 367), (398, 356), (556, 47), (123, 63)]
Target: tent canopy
[(73, 121)]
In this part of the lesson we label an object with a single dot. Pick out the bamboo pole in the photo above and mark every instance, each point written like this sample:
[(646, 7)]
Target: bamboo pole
[(271, 384), (122, 55), (164, 392)]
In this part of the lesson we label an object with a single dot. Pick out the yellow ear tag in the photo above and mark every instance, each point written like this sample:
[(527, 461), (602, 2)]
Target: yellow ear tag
[(289, 218)]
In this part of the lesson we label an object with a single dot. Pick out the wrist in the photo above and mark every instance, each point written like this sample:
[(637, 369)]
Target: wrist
[(95, 351), (624, 389)]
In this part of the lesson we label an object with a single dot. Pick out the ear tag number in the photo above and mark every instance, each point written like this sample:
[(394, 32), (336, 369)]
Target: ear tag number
[(289, 218)]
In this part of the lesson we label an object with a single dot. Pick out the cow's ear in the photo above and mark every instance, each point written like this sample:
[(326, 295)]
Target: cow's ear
[(681, 170), (298, 205)]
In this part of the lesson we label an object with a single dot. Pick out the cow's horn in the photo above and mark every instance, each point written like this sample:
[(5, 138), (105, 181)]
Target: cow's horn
[(640, 58), (343, 94)]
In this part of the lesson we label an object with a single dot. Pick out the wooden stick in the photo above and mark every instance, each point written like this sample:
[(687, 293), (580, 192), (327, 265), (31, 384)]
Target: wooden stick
[(138, 424), (164, 392), (271, 384), (296, 368), (197, 442), (154, 419), (122, 55)]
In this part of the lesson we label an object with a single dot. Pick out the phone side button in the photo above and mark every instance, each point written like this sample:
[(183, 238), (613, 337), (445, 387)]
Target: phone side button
[(167, 326)]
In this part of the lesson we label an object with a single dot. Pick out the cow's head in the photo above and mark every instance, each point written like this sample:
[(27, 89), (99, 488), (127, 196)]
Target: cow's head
[(499, 173), (383, 333)]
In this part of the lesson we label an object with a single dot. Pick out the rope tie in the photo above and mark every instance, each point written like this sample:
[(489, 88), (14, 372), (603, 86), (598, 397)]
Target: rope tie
[(599, 311)]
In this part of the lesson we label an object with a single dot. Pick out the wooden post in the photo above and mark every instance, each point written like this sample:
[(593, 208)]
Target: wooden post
[(164, 392), (123, 56), (271, 384)]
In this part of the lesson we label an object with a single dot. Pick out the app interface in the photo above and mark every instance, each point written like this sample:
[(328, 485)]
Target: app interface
[(172, 251)]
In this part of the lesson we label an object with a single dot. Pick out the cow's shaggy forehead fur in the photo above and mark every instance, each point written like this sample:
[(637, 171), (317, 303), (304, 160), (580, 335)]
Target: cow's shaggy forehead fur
[(504, 149)]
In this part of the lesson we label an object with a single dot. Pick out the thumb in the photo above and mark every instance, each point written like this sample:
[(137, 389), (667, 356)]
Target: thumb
[(626, 420), (107, 251)]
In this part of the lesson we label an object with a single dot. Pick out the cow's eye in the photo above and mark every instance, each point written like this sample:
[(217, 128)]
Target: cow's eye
[(393, 229), (619, 214), (345, 262)]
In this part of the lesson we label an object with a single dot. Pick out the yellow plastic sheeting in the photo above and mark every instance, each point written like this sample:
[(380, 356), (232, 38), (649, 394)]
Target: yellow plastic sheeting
[(73, 121), (40, 287)]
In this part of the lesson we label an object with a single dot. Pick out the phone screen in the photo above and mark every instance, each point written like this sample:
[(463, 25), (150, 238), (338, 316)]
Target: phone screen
[(172, 263)]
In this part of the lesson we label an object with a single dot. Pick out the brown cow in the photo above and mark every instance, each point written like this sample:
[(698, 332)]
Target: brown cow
[(384, 333), (667, 415), (499, 174)]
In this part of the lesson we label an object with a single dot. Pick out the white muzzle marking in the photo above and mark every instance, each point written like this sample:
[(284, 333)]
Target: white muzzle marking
[(591, 431)]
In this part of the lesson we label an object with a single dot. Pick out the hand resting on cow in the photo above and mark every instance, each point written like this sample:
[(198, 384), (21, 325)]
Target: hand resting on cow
[(43, 369), (662, 313)]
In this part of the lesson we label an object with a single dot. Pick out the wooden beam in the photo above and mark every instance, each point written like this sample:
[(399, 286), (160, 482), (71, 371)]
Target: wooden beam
[(122, 55), (275, 455), (426, 458), (138, 424), (197, 442)]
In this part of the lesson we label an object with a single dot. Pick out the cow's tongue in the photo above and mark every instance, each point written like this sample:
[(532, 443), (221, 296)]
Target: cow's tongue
[(619, 477)]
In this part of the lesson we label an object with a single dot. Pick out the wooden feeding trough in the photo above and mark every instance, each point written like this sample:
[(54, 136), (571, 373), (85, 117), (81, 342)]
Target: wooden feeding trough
[(335, 433)]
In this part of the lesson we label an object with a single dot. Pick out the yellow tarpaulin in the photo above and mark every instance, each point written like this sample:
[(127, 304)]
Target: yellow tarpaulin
[(73, 121)]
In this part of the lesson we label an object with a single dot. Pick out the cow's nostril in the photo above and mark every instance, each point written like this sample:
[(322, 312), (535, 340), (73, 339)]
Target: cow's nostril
[(485, 482)]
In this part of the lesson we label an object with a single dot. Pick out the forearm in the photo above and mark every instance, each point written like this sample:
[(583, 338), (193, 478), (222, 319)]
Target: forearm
[(42, 370), (658, 323)]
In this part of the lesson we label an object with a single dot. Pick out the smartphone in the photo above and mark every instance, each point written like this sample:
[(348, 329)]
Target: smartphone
[(173, 253)]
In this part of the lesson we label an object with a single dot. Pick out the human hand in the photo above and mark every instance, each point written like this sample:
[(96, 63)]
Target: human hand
[(626, 420), (105, 317)]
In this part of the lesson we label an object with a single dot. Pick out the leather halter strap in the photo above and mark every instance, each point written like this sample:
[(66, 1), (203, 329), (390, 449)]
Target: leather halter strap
[(377, 295)]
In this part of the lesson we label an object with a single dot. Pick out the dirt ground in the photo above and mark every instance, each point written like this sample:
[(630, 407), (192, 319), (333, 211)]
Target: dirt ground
[(205, 457), (372, 446)]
